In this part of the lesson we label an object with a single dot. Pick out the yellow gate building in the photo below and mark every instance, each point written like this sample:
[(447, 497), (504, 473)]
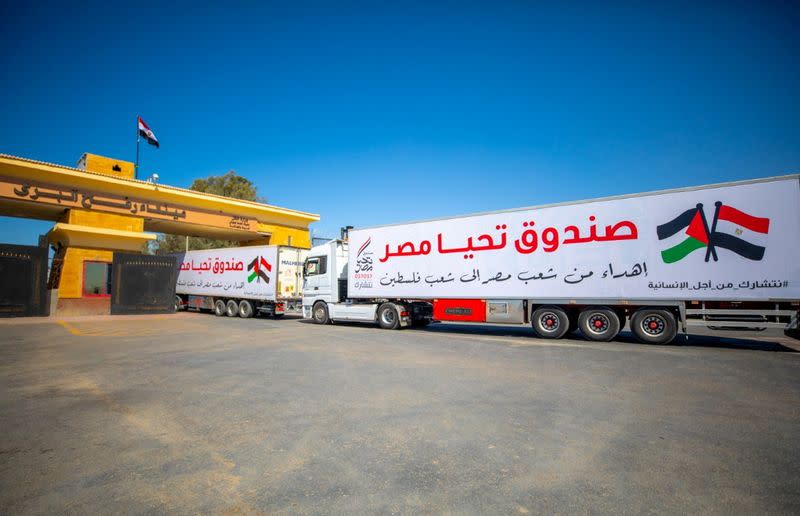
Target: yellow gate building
[(98, 208)]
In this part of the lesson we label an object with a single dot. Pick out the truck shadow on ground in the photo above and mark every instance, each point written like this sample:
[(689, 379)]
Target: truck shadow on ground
[(710, 341), (722, 341)]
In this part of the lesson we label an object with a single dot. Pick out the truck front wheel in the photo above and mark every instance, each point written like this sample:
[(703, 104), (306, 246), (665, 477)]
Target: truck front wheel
[(550, 322), (220, 308), (320, 312), (388, 319), (600, 324), (654, 325)]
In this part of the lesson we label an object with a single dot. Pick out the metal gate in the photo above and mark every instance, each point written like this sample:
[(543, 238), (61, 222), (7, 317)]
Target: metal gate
[(143, 284), (23, 281)]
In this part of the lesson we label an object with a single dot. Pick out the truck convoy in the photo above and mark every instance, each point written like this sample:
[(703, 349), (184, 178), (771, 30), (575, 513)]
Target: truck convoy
[(725, 255), (243, 281)]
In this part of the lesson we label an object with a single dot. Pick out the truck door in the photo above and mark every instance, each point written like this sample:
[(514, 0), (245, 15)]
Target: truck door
[(317, 278)]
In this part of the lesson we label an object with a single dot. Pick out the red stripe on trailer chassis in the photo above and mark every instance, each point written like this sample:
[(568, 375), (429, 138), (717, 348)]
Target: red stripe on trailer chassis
[(471, 310)]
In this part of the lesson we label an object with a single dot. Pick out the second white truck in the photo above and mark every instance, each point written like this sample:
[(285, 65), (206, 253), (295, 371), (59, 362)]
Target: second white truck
[(241, 281), (723, 256)]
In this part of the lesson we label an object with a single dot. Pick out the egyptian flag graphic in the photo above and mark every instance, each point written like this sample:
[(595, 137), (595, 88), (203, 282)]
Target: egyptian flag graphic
[(731, 229), (259, 265), (144, 131), (739, 232)]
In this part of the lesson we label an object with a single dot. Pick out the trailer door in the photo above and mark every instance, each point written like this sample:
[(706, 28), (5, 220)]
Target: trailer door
[(290, 272)]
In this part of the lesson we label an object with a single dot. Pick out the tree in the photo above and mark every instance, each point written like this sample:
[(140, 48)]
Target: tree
[(229, 185)]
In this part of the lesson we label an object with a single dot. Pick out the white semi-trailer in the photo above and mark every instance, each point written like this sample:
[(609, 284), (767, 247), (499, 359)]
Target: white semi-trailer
[(243, 281), (725, 255)]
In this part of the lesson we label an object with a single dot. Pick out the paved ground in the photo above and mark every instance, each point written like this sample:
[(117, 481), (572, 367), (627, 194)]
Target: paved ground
[(196, 414)]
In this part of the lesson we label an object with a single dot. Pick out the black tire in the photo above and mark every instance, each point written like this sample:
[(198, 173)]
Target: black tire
[(277, 316), (320, 313), (550, 322), (246, 309), (422, 322), (220, 308), (654, 325), (388, 318), (599, 323), (178, 304), (232, 308)]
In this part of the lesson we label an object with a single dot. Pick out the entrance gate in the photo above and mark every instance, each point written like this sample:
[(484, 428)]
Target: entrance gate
[(23, 281), (143, 284)]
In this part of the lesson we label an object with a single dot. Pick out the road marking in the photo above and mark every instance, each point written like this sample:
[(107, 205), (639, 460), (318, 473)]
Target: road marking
[(70, 328), (115, 329)]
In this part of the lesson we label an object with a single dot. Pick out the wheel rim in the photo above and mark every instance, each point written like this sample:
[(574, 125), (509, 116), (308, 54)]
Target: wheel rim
[(653, 325), (319, 313), (598, 323), (388, 316), (549, 322)]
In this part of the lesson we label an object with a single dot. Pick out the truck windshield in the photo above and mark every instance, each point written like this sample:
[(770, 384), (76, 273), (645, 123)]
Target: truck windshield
[(316, 265)]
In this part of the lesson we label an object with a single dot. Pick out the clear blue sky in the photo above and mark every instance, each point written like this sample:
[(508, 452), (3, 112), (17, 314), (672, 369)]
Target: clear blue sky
[(368, 115)]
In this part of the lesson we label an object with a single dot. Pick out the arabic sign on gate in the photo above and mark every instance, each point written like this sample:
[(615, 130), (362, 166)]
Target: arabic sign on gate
[(732, 242), (243, 272), (95, 201)]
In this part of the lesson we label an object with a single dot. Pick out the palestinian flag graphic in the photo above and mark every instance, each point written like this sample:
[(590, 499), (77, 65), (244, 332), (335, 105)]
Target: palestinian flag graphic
[(731, 229), (259, 265)]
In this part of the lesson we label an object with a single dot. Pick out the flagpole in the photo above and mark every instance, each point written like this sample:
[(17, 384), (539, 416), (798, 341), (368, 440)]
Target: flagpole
[(138, 137), (710, 251)]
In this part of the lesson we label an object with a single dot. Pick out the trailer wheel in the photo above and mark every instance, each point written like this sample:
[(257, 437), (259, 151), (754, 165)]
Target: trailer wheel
[(220, 308), (232, 308), (178, 303), (550, 322), (320, 313), (600, 324), (388, 318), (654, 325), (246, 310)]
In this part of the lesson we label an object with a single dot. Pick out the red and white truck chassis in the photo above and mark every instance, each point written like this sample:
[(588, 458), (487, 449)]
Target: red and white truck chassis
[(724, 255)]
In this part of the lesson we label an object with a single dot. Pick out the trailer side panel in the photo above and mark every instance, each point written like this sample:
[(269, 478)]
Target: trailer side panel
[(237, 272), (735, 242)]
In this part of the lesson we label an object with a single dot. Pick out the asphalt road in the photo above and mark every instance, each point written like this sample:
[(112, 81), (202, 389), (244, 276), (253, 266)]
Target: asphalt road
[(196, 414)]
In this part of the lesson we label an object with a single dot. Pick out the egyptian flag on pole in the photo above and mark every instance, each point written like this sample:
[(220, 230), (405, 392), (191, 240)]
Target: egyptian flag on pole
[(732, 229), (144, 130)]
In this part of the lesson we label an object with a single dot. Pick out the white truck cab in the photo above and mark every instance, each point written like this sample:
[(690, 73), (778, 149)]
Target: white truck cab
[(325, 294)]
